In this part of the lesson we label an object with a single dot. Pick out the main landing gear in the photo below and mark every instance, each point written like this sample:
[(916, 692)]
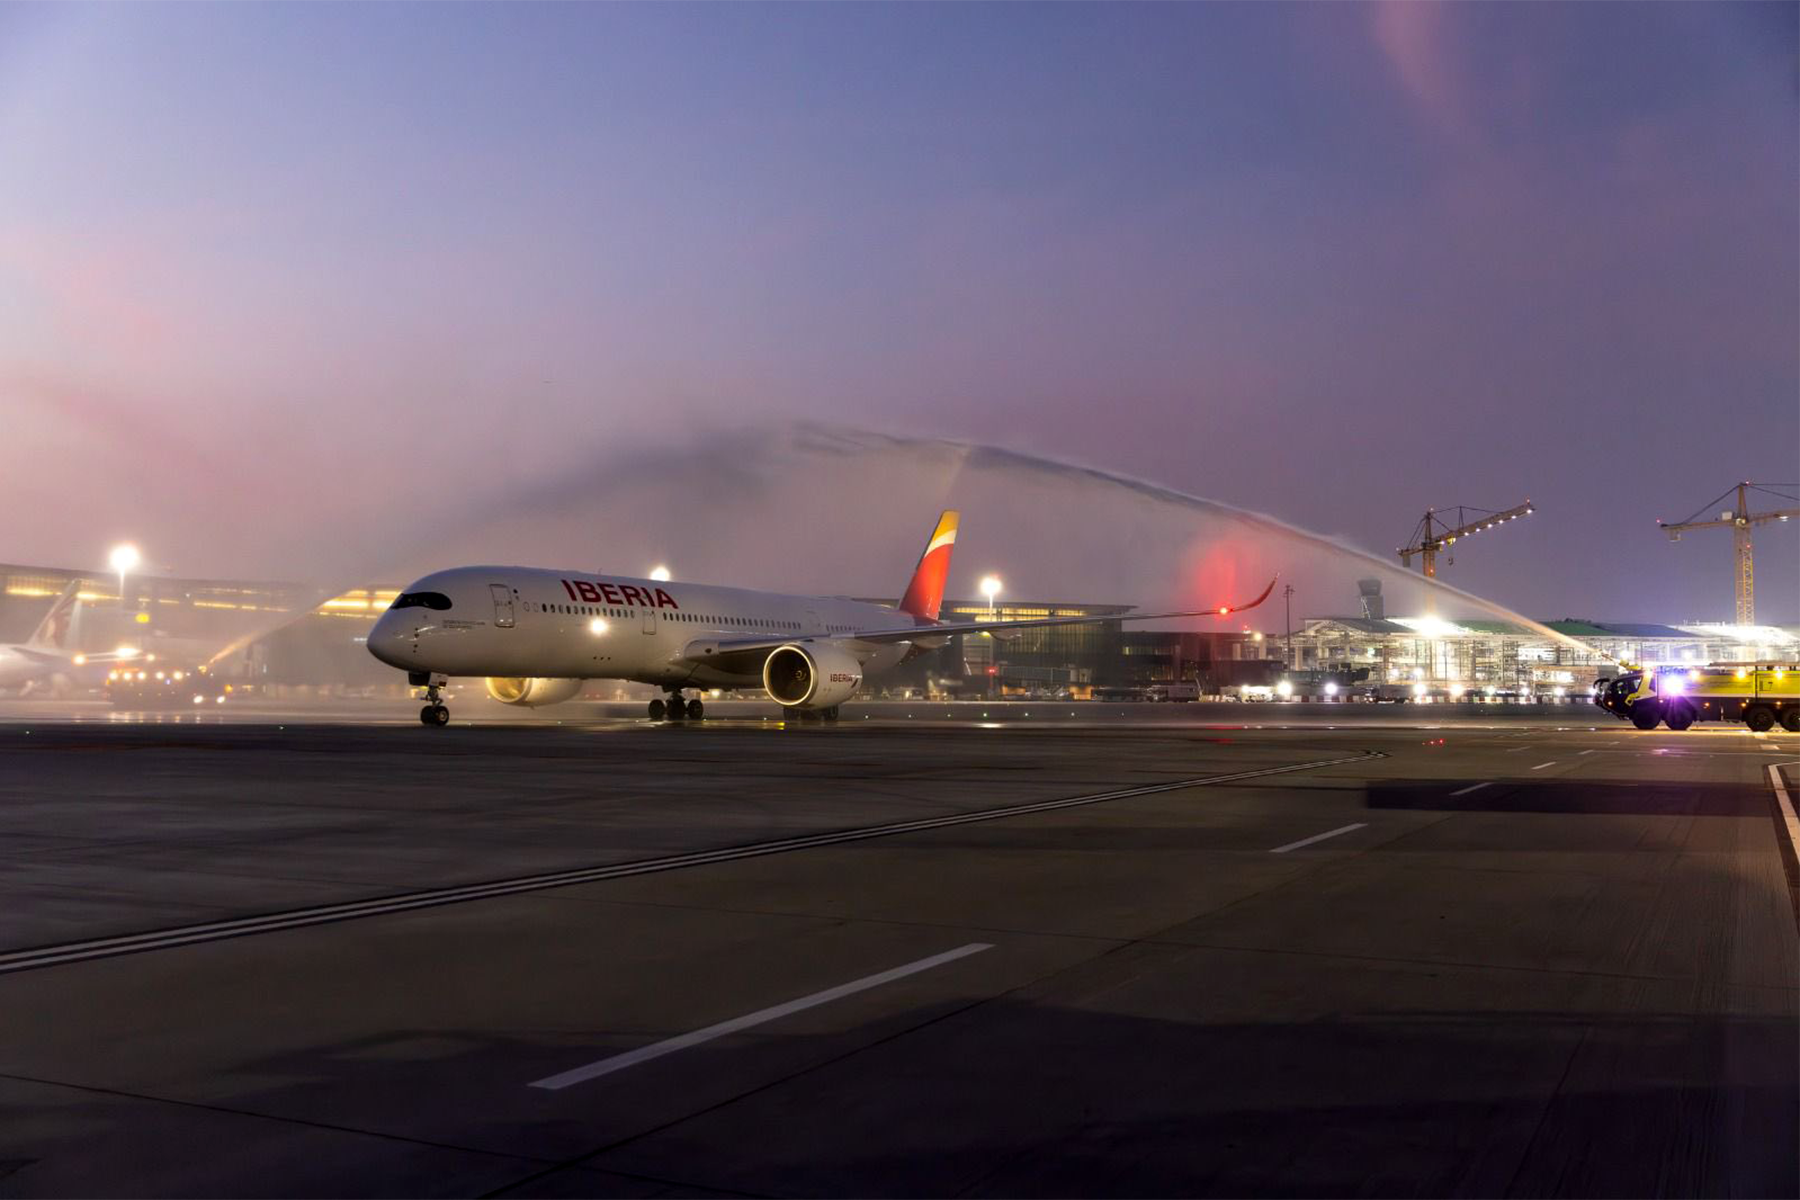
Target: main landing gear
[(677, 709), (434, 712)]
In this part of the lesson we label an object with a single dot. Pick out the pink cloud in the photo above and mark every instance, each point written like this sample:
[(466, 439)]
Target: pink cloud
[(1414, 37), (94, 292)]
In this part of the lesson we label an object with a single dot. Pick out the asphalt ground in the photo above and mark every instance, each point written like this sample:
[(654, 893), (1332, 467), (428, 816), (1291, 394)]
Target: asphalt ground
[(274, 955)]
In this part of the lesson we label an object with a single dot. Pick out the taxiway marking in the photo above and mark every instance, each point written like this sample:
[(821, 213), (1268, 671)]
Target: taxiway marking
[(1790, 816), (1541, 766), (1473, 787), (325, 914), (632, 1058), (1319, 837), (1518, 749)]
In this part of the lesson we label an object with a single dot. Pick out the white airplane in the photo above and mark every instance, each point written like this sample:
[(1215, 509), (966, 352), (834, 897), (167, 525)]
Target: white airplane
[(537, 635), (48, 655)]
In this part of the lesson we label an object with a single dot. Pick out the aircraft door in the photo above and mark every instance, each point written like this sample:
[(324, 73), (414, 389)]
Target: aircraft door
[(813, 624), (649, 620), (503, 605)]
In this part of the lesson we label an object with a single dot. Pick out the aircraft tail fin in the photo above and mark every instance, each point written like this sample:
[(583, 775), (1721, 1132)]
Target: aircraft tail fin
[(53, 632), (925, 593)]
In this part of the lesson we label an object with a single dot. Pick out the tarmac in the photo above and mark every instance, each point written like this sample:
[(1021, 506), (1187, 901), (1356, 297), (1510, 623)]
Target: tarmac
[(333, 952)]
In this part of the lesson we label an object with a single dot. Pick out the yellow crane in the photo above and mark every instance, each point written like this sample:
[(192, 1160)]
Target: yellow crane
[(1434, 533), (1740, 520)]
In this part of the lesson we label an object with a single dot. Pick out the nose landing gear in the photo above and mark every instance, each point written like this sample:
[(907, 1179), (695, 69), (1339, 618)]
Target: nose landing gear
[(434, 712)]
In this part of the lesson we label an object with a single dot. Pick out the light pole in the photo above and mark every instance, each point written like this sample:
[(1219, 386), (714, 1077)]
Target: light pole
[(1287, 595), (990, 587), (124, 558)]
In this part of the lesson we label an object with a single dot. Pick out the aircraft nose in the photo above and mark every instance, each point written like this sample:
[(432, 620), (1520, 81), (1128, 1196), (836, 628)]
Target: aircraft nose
[(391, 639)]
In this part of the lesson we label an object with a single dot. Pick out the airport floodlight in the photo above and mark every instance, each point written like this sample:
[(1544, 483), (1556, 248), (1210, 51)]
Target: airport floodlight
[(990, 587), (660, 573), (597, 626), (124, 558)]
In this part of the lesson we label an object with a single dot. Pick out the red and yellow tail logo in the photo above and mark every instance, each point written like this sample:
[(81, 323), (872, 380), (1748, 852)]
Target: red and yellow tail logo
[(925, 594)]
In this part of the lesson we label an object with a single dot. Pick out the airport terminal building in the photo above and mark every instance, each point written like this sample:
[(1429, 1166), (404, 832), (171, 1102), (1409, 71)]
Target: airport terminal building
[(283, 634), (1519, 659), (291, 635)]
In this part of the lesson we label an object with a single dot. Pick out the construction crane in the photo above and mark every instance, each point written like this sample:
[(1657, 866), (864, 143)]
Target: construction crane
[(1434, 533), (1740, 520)]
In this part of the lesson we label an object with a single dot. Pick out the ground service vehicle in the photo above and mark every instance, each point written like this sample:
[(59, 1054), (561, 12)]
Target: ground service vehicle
[(150, 685), (1761, 695), (1179, 691)]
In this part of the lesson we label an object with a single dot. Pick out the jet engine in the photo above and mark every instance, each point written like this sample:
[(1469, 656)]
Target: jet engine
[(811, 676), (532, 693)]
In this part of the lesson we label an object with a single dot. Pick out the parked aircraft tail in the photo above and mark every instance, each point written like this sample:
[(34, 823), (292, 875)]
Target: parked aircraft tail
[(55, 631)]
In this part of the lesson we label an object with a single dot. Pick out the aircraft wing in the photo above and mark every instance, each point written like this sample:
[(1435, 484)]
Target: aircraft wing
[(74, 660), (713, 649), (945, 629)]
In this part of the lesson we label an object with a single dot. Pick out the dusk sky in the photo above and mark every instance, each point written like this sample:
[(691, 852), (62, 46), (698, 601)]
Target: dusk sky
[(285, 290)]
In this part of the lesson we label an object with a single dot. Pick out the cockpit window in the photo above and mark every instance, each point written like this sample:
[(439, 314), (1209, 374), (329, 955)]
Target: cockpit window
[(435, 600)]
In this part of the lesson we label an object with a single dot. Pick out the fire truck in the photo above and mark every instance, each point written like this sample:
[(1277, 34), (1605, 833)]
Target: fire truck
[(1761, 695)]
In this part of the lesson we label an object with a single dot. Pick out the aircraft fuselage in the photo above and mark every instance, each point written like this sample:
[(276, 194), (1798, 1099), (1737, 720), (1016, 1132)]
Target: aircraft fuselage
[(527, 621)]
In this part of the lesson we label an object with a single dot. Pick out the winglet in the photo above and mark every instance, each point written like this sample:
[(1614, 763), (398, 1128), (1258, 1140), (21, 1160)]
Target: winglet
[(1225, 610), (925, 594)]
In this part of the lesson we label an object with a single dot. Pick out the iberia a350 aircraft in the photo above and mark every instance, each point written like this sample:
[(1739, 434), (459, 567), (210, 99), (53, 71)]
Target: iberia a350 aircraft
[(537, 635)]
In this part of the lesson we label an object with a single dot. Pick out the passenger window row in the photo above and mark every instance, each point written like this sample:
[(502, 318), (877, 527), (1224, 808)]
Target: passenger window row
[(584, 610), (686, 618)]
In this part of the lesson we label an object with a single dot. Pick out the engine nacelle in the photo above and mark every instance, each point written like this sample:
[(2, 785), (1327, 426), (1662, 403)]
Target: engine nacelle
[(811, 676), (532, 693)]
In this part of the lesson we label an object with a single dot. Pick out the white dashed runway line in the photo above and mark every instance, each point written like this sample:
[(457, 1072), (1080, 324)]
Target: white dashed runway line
[(1319, 837), (643, 1054)]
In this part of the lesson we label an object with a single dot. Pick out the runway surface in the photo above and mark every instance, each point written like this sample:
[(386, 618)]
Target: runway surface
[(1472, 954)]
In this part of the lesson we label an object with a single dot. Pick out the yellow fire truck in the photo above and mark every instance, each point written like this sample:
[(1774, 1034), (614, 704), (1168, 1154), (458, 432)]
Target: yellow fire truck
[(1758, 694)]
